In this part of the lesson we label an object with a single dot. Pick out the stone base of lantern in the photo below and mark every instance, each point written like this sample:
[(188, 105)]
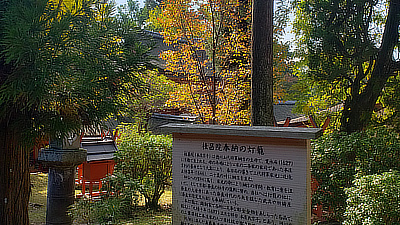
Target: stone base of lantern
[(61, 183)]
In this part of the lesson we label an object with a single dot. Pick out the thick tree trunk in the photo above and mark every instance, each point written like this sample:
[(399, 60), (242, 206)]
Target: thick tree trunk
[(358, 109), (14, 179), (262, 59)]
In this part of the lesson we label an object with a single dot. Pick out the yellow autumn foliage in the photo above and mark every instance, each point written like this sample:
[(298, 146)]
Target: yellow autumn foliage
[(210, 43)]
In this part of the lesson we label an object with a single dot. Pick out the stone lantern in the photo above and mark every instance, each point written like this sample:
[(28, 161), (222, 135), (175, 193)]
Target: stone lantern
[(62, 158)]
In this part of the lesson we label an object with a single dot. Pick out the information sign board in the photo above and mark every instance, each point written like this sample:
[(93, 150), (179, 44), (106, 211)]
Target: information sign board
[(241, 175)]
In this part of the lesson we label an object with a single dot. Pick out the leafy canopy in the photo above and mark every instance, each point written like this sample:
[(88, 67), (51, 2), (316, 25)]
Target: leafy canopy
[(210, 55), (69, 63), (347, 56)]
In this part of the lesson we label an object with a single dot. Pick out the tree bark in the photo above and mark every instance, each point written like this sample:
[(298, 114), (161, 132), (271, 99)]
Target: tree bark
[(14, 161), (14, 179), (358, 109), (262, 67)]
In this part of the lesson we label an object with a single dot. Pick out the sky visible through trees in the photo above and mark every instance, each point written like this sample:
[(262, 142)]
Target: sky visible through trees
[(288, 36)]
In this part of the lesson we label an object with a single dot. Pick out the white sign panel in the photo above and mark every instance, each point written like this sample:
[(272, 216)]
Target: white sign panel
[(228, 181)]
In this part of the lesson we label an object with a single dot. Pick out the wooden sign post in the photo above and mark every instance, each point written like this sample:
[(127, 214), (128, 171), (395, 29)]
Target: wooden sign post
[(241, 175)]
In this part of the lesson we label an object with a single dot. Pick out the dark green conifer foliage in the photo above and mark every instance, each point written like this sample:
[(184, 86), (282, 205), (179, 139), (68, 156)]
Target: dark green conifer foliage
[(60, 69)]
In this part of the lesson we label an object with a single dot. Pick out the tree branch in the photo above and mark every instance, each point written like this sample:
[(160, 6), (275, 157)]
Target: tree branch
[(390, 35), (371, 63)]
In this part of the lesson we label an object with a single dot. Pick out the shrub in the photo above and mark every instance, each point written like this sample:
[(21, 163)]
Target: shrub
[(337, 157), (105, 211), (374, 200), (147, 160), (121, 186), (119, 202), (144, 165)]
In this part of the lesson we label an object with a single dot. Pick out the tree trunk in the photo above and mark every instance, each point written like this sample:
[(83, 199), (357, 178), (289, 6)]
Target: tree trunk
[(14, 179), (358, 109), (262, 59)]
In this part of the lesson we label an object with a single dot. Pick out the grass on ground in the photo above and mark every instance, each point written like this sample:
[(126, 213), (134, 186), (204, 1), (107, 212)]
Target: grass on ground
[(38, 200)]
